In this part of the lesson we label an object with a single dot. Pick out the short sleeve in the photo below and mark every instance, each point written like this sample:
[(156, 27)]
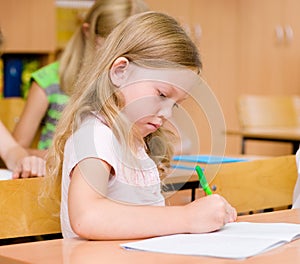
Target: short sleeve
[(92, 140), (47, 75)]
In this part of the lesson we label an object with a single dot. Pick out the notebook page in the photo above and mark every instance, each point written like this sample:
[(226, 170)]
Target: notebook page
[(237, 240), (5, 174)]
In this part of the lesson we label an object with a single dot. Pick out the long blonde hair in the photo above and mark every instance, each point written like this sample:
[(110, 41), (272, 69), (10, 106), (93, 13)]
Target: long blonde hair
[(102, 18), (150, 39)]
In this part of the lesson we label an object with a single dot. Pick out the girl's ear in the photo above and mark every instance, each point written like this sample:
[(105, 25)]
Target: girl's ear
[(86, 29), (118, 71)]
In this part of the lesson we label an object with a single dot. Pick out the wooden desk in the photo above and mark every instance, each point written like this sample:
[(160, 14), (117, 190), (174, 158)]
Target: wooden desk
[(248, 186), (81, 251), (276, 134)]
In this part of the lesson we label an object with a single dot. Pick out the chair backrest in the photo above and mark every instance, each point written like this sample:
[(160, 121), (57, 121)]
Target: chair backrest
[(10, 111), (268, 111), (23, 213), (255, 185)]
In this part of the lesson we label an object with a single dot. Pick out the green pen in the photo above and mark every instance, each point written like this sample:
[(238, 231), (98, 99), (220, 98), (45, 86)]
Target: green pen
[(203, 180)]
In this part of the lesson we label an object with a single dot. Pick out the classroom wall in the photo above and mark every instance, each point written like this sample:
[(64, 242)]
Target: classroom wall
[(247, 46), (243, 52)]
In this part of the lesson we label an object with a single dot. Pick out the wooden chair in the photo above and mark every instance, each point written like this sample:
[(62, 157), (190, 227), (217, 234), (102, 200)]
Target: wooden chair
[(268, 111), (255, 185), (23, 213), (10, 111), (250, 186)]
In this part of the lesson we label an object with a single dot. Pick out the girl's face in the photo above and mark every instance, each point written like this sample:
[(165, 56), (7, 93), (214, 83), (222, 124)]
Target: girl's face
[(149, 103)]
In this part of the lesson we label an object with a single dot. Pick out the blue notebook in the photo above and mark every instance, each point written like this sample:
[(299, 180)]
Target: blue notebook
[(182, 167), (209, 159)]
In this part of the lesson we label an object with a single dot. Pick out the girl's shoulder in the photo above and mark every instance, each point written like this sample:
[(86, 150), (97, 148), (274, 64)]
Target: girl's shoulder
[(91, 137), (47, 75), (95, 123)]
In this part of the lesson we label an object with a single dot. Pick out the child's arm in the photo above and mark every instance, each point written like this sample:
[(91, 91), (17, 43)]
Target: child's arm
[(92, 216), (17, 159), (33, 113), (6, 140)]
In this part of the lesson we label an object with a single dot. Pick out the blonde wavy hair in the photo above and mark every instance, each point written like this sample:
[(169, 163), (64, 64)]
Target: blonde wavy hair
[(150, 39), (102, 18)]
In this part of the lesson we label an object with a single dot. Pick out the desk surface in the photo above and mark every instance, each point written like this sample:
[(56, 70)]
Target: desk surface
[(80, 251), (279, 133)]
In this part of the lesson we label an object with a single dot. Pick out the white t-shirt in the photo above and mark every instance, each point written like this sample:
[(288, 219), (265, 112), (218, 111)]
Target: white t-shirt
[(296, 196), (128, 185)]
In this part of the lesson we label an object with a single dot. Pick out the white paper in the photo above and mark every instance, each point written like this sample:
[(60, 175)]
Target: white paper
[(5, 174), (236, 240)]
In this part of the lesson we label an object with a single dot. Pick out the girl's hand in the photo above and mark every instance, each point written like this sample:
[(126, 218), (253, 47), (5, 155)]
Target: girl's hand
[(29, 166), (209, 213)]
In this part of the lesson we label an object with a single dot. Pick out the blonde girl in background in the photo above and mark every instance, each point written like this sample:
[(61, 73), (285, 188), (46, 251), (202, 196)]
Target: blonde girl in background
[(53, 84), (110, 144)]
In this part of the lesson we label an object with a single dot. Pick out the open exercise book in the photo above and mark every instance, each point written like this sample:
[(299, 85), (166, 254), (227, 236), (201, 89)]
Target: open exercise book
[(209, 159), (188, 162), (236, 240)]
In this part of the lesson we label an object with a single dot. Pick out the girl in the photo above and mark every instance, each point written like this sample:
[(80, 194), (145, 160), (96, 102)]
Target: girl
[(53, 84), (110, 144)]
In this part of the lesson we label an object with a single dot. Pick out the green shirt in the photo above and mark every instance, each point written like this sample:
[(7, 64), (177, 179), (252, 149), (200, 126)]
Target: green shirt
[(48, 79)]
